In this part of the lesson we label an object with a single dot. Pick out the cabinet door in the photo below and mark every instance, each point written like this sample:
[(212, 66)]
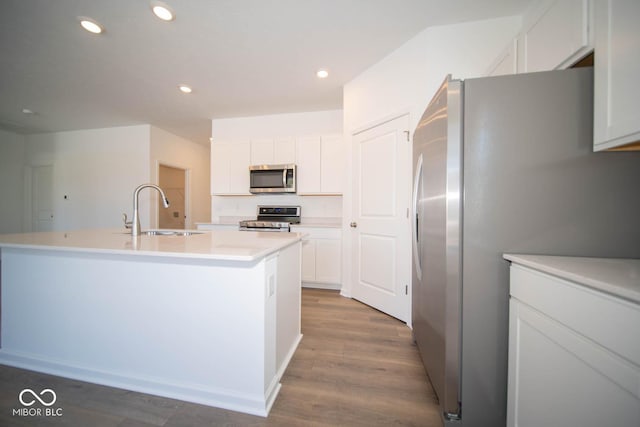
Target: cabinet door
[(284, 151), (332, 165), (308, 160), (616, 71), (239, 159), (308, 260), (262, 152), (559, 36), (328, 261), (558, 377), (230, 167)]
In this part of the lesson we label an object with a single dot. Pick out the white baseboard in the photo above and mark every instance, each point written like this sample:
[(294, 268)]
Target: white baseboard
[(330, 286), (195, 393)]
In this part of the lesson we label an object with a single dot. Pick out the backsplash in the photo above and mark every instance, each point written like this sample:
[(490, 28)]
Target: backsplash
[(245, 206)]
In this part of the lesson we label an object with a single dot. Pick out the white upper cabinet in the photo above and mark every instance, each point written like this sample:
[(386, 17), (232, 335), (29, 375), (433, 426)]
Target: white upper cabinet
[(616, 72), (273, 151), (556, 36), (321, 164), (308, 162), (284, 151), (262, 151), (230, 162)]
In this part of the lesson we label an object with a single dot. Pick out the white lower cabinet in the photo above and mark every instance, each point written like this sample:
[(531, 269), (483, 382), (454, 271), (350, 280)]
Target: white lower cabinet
[(308, 260), (328, 260), (574, 358), (321, 257)]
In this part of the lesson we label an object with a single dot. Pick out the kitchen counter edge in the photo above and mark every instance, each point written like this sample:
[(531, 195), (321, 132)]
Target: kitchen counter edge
[(616, 276), (236, 246)]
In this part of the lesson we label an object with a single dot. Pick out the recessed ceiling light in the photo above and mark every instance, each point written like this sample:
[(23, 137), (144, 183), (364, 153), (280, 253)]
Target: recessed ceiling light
[(322, 74), (90, 25), (185, 89), (27, 111), (162, 11)]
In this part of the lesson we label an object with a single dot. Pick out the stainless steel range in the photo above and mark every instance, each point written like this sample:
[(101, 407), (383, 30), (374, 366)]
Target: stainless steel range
[(273, 218)]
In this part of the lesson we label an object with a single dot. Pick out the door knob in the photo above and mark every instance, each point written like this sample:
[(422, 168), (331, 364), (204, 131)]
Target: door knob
[(353, 224)]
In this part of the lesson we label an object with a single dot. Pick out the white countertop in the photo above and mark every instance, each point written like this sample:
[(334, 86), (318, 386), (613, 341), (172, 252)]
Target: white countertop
[(223, 245), (619, 277)]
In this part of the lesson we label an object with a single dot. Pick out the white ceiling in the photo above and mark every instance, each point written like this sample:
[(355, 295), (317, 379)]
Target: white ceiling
[(242, 57)]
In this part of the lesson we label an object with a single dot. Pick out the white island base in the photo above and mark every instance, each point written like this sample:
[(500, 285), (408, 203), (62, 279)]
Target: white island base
[(210, 331)]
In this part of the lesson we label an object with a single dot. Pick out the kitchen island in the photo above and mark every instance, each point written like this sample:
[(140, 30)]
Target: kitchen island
[(211, 318)]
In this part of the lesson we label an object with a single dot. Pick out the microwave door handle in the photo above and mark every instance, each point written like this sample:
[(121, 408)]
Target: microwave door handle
[(284, 178)]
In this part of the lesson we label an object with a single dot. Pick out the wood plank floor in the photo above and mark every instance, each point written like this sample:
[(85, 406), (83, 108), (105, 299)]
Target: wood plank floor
[(354, 367)]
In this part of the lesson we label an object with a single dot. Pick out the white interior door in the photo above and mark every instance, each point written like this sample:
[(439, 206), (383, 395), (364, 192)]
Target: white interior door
[(42, 215), (380, 225)]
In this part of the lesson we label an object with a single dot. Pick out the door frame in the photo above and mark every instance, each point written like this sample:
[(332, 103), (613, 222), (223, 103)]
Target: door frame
[(187, 192), (347, 204)]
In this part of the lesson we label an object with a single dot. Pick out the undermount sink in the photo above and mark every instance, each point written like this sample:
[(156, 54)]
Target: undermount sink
[(169, 233)]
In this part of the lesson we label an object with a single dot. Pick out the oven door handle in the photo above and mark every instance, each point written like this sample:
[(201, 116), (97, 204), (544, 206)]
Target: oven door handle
[(284, 178)]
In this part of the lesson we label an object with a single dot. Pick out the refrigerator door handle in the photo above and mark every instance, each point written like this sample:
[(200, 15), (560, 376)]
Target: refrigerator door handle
[(415, 238)]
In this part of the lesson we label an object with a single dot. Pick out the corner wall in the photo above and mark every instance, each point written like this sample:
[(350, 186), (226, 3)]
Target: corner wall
[(406, 80), (171, 150), (97, 169)]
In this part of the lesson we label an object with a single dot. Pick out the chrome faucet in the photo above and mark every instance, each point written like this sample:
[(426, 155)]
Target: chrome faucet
[(135, 223)]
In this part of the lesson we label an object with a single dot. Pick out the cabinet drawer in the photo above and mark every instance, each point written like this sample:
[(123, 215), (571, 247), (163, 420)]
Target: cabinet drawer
[(597, 316)]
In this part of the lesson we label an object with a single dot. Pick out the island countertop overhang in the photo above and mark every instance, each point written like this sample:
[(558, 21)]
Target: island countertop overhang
[(216, 245)]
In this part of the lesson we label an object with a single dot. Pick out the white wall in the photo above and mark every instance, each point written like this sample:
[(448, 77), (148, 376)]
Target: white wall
[(12, 160), (274, 126), (97, 170), (245, 206), (277, 125), (171, 150), (405, 81)]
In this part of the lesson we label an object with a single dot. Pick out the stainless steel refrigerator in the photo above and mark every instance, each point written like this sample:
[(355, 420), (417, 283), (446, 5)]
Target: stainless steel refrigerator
[(504, 164)]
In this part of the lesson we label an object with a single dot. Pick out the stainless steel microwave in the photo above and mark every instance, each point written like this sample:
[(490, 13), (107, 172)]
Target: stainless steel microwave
[(272, 178)]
